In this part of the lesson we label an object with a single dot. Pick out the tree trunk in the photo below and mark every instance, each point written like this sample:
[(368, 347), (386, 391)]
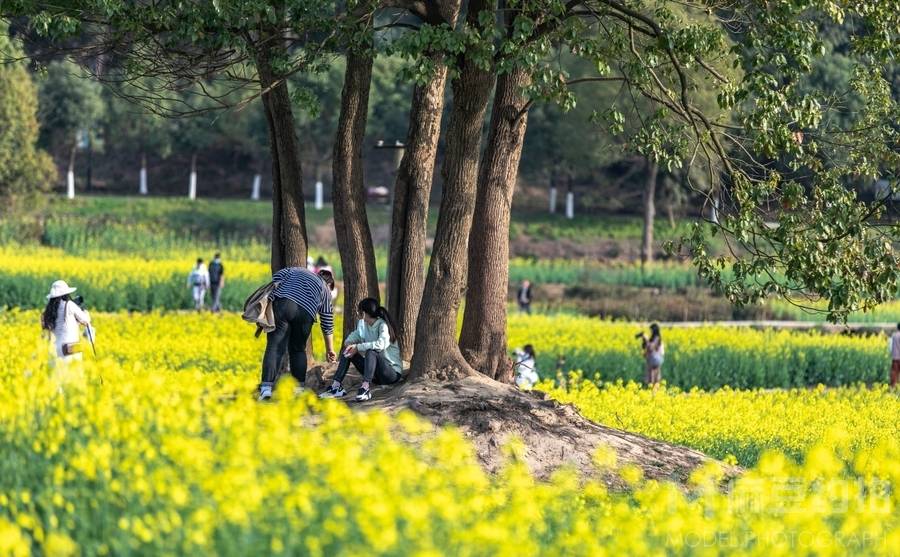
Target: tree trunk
[(289, 239), (142, 184), (192, 183), (649, 213), (483, 338), (349, 196), (412, 191), (437, 354), (70, 174)]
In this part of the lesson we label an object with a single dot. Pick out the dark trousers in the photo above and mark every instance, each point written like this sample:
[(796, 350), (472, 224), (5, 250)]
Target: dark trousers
[(374, 367), (215, 292), (292, 329)]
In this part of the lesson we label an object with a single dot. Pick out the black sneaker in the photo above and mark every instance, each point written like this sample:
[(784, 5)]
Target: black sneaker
[(363, 394)]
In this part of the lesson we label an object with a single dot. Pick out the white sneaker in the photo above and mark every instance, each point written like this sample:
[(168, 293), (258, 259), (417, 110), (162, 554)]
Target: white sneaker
[(265, 393), (333, 392), (299, 390)]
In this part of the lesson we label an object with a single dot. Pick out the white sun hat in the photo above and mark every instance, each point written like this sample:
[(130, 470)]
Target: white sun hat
[(60, 288)]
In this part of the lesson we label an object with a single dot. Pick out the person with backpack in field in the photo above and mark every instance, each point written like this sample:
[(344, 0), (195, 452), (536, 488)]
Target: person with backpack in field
[(216, 282), (198, 281), (61, 318), (654, 350), (297, 298), (372, 349)]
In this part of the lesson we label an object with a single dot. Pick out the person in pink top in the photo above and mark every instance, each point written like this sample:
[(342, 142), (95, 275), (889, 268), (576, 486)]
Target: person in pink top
[(895, 356)]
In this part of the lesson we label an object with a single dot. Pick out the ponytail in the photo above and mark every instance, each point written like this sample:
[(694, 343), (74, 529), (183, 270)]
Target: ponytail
[(370, 307), (383, 314)]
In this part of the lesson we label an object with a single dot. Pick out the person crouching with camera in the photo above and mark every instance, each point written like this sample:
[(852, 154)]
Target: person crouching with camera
[(653, 354), (62, 318)]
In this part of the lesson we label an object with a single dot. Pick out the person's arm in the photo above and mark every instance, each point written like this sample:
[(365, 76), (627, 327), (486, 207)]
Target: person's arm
[(79, 314), (352, 338), (222, 276), (381, 343), (326, 317)]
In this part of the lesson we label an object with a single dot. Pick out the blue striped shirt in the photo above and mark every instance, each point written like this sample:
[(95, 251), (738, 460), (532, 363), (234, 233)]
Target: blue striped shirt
[(308, 291)]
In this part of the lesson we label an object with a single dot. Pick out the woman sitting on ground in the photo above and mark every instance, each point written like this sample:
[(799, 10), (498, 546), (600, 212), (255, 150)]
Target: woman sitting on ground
[(372, 349)]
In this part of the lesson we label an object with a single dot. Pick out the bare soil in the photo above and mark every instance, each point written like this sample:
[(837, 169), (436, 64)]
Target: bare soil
[(490, 413)]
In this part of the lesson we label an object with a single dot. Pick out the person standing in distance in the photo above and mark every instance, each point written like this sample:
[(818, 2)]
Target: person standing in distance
[(216, 282), (198, 281), (299, 296), (895, 357), (524, 297), (654, 352)]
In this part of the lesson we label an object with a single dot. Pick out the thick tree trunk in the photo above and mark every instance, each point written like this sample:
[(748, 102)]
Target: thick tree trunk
[(437, 354), (649, 213), (349, 196), (483, 338), (289, 239), (412, 191)]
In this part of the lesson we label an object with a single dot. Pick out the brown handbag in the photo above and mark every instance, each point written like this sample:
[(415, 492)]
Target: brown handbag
[(71, 349)]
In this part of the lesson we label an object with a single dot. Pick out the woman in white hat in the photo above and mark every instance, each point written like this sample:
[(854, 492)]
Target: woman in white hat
[(62, 317)]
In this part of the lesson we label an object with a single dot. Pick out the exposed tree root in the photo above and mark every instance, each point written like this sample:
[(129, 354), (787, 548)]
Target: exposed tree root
[(489, 413)]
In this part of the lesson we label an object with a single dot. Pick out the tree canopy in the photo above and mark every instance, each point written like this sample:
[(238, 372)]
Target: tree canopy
[(25, 170), (804, 102)]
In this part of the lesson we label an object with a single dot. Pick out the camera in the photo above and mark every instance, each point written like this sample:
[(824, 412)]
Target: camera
[(79, 301), (639, 335)]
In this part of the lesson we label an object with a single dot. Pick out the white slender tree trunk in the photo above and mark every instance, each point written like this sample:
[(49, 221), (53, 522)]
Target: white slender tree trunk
[(143, 178), (192, 189), (257, 182), (70, 184), (70, 175), (320, 194), (553, 198), (570, 205)]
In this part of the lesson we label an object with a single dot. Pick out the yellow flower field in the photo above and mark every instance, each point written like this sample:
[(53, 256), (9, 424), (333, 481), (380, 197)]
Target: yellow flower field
[(740, 424), (708, 357), (156, 447)]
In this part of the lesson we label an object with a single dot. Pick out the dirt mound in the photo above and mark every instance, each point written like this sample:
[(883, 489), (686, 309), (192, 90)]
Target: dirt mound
[(554, 434)]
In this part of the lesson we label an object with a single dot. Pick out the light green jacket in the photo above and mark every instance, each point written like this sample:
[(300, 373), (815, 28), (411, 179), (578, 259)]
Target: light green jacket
[(376, 337)]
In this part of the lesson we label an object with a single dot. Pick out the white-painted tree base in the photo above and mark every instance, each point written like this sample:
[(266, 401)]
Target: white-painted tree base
[(257, 181), (320, 194), (70, 185), (143, 182), (570, 205), (552, 200), (192, 190)]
